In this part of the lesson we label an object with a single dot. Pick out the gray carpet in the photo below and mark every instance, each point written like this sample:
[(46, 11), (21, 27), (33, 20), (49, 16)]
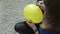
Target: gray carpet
[(11, 12)]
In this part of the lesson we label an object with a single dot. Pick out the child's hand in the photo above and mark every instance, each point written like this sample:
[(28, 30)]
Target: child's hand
[(31, 24)]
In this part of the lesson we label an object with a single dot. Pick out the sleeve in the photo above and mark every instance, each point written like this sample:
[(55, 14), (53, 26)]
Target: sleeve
[(23, 28)]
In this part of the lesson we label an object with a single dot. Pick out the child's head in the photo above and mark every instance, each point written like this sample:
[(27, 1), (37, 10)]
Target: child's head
[(51, 12)]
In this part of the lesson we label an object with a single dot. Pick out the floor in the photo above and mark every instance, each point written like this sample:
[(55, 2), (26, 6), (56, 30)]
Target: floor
[(11, 12)]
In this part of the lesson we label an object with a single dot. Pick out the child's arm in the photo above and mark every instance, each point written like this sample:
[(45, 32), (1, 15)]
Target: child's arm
[(32, 25), (23, 28)]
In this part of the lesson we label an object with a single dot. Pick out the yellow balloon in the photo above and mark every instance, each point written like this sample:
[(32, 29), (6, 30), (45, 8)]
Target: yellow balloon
[(34, 13)]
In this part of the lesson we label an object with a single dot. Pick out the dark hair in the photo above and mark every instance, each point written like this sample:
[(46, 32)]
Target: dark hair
[(52, 13), (40, 7), (39, 0), (23, 28)]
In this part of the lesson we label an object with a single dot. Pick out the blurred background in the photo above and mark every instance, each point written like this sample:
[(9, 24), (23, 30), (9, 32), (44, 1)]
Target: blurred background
[(11, 12)]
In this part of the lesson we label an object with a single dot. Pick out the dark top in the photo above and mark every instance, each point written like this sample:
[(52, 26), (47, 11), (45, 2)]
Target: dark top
[(23, 28), (47, 31)]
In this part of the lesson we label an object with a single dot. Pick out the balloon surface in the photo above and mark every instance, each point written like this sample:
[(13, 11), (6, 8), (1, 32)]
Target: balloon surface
[(34, 13)]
